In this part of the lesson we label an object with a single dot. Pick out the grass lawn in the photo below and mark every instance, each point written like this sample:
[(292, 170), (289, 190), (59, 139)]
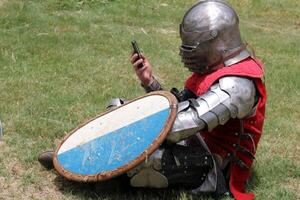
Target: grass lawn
[(61, 61)]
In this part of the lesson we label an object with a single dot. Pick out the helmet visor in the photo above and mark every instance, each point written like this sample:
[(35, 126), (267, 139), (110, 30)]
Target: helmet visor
[(196, 37), (195, 49)]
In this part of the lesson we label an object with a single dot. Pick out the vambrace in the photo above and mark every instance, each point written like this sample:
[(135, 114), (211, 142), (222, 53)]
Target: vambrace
[(153, 86), (231, 97)]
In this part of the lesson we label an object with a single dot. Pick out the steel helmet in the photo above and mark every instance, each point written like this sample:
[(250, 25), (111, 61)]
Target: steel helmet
[(211, 37)]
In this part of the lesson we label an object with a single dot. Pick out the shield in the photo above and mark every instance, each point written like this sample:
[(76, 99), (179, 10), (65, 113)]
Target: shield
[(117, 140)]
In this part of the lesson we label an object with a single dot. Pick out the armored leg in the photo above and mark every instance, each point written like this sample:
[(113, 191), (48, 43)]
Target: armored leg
[(186, 166)]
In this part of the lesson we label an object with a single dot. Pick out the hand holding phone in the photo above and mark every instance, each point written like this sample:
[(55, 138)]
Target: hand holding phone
[(137, 51), (142, 69)]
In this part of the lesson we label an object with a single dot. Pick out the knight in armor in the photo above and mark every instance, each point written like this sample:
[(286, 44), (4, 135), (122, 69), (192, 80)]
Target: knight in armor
[(213, 141), (220, 116)]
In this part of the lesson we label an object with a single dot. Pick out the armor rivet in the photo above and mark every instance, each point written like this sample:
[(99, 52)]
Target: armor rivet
[(205, 158), (236, 134), (233, 145), (184, 171), (214, 33), (185, 157), (228, 154)]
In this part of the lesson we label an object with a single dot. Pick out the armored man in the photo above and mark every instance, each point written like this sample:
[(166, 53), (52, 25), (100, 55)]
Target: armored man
[(213, 141), (220, 116)]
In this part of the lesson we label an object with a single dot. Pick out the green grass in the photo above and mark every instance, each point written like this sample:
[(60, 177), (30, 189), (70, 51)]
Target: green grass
[(62, 61)]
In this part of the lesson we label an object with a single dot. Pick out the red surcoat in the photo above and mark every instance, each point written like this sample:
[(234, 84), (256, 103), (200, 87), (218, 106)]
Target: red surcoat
[(223, 139)]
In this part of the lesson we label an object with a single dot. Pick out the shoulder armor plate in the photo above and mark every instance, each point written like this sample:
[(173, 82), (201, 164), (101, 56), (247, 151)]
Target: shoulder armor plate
[(242, 93)]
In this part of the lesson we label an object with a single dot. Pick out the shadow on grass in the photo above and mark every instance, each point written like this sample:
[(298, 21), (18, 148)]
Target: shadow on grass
[(119, 188), (253, 180)]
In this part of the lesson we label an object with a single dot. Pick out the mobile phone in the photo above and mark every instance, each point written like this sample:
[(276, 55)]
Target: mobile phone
[(137, 51)]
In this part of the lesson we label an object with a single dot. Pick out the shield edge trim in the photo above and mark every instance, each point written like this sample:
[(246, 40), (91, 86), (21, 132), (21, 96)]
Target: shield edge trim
[(118, 171)]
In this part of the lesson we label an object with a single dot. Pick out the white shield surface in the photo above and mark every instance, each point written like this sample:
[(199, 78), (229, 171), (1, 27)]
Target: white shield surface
[(116, 141)]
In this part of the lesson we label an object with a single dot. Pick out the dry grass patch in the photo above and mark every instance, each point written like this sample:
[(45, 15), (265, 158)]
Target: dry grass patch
[(2, 2), (294, 185)]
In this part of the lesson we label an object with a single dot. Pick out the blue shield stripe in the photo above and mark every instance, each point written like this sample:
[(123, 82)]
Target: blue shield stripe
[(115, 149)]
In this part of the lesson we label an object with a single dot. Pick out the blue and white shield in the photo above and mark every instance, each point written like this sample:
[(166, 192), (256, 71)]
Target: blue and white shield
[(118, 140)]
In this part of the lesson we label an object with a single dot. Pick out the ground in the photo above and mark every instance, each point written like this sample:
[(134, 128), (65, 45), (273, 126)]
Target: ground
[(61, 61)]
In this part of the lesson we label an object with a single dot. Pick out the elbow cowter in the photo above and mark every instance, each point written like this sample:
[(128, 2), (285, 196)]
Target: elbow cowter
[(231, 97)]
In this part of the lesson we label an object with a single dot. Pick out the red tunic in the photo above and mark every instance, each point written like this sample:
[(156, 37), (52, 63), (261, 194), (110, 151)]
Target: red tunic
[(223, 138)]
